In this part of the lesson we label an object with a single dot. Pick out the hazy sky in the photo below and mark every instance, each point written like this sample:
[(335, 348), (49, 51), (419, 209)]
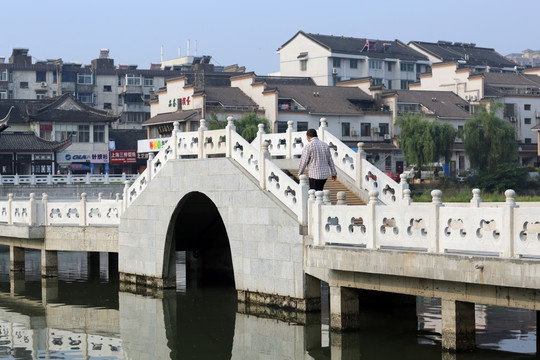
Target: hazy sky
[(248, 33)]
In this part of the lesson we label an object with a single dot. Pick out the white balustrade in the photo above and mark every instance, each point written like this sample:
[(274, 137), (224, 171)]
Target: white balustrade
[(245, 154)]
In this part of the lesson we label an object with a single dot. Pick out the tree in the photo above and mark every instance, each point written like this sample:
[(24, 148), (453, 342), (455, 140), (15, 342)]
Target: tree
[(489, 141), (247, 125), (424, 141)]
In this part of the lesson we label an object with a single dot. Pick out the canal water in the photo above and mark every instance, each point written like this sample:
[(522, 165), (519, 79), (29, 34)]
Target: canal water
[(83, 314)]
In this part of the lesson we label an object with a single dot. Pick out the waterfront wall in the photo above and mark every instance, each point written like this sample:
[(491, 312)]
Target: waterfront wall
[(62, 191)]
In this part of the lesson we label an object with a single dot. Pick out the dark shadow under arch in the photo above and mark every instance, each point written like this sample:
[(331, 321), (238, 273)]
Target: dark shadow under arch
[(197, 228)]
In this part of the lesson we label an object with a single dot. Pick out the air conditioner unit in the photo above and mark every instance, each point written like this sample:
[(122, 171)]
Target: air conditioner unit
[(43, 84), (334, 71), (513, 119), (387, 137)]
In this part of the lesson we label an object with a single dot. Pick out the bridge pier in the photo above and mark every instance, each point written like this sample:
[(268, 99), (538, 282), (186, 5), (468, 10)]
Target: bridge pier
[(343, 346), (49, 263), (344, 308), (16, 283), (458, 325), (16, 258)]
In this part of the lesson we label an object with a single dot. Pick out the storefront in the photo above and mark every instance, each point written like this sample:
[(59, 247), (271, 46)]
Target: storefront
[(123, 161), (83, 162)]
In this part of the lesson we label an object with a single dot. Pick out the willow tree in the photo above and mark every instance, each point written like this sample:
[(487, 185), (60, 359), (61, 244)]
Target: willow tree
[(489, 141), (425, 141)]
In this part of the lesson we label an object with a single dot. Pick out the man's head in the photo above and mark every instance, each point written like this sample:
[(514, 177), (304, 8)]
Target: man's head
[(311, 133)]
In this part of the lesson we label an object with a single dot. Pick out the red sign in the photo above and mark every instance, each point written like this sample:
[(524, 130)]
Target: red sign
[(123, 157)]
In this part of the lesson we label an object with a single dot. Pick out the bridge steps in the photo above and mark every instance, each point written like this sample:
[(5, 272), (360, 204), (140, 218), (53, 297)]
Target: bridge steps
[(334, 187)]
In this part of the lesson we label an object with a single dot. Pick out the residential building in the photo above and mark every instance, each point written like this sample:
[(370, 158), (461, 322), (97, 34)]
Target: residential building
[(467, 55), (330, 59), (518, 92), (527, 58)]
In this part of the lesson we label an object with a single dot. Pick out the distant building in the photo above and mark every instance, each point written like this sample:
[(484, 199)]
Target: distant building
[(330, 59), (527, 58)]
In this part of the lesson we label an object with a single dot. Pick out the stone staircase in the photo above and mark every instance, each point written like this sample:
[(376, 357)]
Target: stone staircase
[(334, 187)]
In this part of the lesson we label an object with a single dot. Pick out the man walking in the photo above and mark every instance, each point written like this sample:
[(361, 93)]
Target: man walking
[(316, 157)]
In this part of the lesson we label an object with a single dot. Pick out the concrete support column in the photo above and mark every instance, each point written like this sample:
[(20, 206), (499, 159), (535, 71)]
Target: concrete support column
[(16, 283), (344, 308), (49, 290), (458, 326), (93, 264), (49, 263), (16, 258), (312, 293), (344, 345)]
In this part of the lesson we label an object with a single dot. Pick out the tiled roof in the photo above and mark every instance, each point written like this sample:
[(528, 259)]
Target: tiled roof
[(227, 96), (443, 104), (511, 79), (382, 49), (66, 109), (327, 99), (21, 107), (272, 81), (28, 141), (167, 118), (474, 56)]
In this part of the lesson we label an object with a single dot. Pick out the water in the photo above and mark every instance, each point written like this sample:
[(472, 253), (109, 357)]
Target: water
[(83, 315)]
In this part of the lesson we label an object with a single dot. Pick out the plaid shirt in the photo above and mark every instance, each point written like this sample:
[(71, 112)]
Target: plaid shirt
[(316, 156)]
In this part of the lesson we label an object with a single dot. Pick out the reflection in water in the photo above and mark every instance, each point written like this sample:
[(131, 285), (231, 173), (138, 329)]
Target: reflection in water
[(82, 314)]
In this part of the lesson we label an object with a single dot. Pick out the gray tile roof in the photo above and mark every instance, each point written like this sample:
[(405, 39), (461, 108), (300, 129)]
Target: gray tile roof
[(29, 142), (167, 118), (327, 99), (227, 97), (511, 79), (474, 56), (380, 49), (75, 112), (443, 104)]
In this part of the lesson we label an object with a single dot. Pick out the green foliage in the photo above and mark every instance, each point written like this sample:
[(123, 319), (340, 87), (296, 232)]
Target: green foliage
[(248, 125), (489, 141), (423, 141), (215, 123), (505, 176)]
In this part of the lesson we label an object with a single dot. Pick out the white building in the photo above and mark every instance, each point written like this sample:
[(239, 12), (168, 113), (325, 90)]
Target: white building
[(330, 59)]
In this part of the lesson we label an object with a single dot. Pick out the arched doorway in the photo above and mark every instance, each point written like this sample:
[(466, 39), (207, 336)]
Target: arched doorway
[(198, 233)]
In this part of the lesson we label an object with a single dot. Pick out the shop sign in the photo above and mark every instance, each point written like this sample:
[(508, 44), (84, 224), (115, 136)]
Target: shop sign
[(96, 158), (151, 145), (123, 157)]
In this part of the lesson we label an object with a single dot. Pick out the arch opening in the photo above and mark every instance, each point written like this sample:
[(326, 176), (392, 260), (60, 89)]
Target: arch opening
[(198, 241)]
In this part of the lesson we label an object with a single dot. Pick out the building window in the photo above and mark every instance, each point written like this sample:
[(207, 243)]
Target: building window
[(389, 84), (4, 75), (148, 81), (99, 133), (84, 133), (345, 129), (107, 106), (41, 94), (365, 129), (24, 84), (107, 88), (85, 79), (282, 126), (354, 64), (65, 132), (383, 128), (527, 107), (375, 64), (336, 62), (85, 98), (527, 140), (527, 120), (45, 131), (377, 81), (404, 84), (133, 98), (54, 80), (303, 65), (302, 126), (407, 67), (68, 76), (133, 80), (389, 66), (120, 80), (120, 101), (3, 95), (41, 76)]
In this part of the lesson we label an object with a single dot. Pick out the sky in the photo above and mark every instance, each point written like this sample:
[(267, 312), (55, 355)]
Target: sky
[(249, 33)]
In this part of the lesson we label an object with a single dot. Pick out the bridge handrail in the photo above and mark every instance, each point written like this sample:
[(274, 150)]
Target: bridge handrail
[(37, 212), (363, 174), (504, 230), (69, 179)]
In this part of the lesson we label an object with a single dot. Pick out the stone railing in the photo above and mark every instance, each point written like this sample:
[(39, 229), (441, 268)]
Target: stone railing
[(505, 230), (352, 164), (32, 212), (68, 179)]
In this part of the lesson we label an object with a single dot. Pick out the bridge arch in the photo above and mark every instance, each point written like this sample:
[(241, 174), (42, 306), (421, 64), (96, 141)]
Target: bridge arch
[(196, 227)]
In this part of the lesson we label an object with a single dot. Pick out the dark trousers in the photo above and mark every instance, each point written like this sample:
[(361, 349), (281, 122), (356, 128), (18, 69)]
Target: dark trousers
[(317, 184)]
